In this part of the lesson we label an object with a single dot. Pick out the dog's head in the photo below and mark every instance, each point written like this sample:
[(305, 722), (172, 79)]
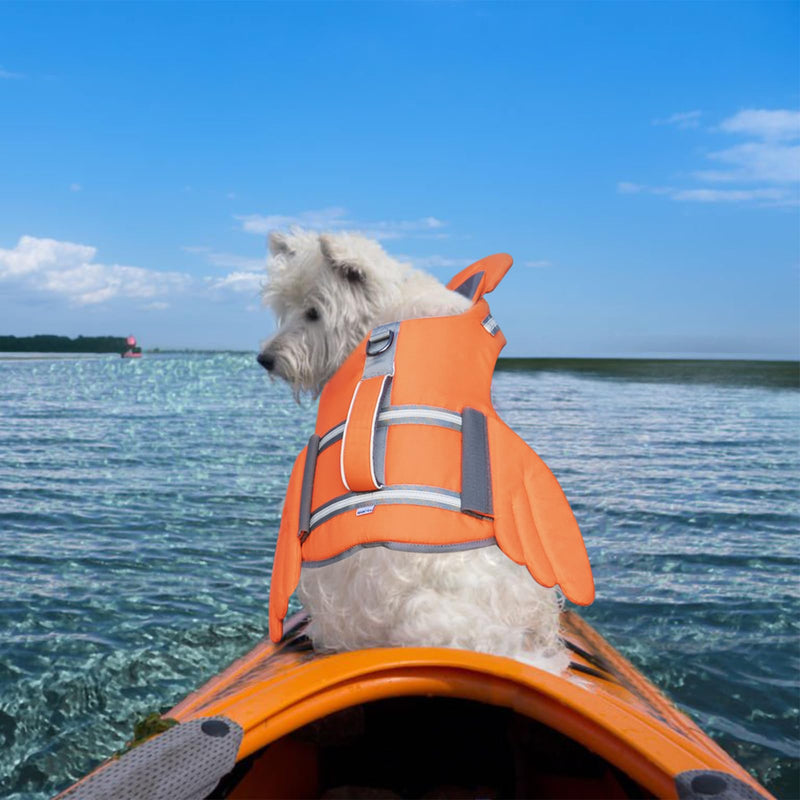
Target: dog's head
[(326, 291)]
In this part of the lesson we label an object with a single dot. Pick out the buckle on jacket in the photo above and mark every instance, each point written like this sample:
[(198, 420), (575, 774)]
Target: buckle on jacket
[(380, 342)]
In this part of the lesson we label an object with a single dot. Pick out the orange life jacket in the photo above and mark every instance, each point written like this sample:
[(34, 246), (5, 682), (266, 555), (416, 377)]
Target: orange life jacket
[(408, 453)]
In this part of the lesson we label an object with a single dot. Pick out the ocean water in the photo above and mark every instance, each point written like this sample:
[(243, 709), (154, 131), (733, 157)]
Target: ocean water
[(140, 500)]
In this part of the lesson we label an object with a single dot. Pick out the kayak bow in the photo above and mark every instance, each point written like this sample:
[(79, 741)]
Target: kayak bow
[(285, 722)]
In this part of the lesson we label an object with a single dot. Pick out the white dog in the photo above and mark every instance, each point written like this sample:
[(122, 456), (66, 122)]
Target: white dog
[(327, 292)]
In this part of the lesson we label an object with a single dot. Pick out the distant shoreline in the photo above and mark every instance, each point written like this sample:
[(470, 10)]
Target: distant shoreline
[(723, 372), (50, 343), (687, 357), (65, 356), (505, 363)]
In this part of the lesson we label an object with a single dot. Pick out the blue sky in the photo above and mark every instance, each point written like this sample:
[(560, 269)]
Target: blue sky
[(640, 161)]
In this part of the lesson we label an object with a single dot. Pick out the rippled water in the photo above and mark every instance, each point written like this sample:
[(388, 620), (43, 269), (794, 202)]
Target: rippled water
[(139, 505)]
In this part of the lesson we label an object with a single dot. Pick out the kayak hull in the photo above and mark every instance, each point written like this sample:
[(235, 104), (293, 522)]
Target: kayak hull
[(364, 724)]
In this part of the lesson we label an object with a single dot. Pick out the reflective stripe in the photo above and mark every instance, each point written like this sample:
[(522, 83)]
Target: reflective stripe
[(401, 415), (344, 434), (420, 415), (333, 435), (476, 474), (309, 468), (394, 495)]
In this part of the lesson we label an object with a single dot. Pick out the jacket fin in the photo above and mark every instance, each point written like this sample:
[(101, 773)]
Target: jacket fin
[(286, 565), (481, 277), (550, 538), (514, 527), (559, 532), (533, 552)]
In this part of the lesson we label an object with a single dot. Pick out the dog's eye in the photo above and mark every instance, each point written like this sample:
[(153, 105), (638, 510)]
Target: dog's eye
[(312, 314)]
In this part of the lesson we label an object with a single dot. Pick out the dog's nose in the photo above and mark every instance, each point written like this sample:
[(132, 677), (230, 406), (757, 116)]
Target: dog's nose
[(266, 361)]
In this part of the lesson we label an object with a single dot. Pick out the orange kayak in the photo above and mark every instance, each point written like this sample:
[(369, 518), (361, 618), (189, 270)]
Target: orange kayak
[(285, 722)]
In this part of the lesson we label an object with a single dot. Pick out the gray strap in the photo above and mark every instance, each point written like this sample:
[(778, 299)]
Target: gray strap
[(184, 763), (401, 415), (312, 451), (378, 363), (470, 285), (701, 784), (476, 475), (380, 434)]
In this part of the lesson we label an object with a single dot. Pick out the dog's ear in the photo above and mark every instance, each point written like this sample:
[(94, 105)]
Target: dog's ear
[(335, 252), (279, 243)]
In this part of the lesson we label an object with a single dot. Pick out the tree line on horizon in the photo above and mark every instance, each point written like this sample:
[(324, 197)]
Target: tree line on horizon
[(46, 343)]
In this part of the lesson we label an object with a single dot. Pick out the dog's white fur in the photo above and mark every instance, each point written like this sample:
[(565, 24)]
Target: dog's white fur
[(327, 292)]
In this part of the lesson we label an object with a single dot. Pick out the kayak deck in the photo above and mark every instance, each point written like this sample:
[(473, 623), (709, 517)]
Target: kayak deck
[(438, 722)]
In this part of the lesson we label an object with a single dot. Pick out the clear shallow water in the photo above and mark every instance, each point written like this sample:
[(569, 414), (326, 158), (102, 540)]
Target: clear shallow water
[(139, 505)]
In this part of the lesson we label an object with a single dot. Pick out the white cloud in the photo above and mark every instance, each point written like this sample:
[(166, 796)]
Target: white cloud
[(436, 262), (336, 218), (771, 125), (761, 196), (38, 255), (773, 196), (250, 282), (6, 75), (625, 187), (248, 274), (457, 264), (401, 229), (227, 260), (75, 187), (69, 270), (757, 162), (684, 119), (326, 218), (768, 164)]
